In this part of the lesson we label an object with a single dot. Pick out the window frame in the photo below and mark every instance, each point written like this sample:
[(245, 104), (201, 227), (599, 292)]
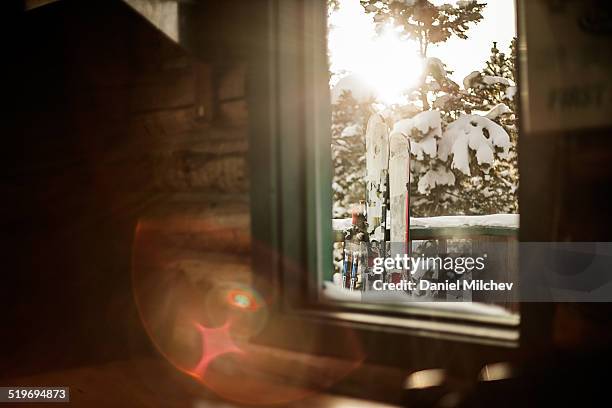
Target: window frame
[(291, 201)]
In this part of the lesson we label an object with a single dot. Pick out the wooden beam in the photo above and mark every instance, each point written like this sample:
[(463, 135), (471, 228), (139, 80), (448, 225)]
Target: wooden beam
[(163, 14), (32, 4)]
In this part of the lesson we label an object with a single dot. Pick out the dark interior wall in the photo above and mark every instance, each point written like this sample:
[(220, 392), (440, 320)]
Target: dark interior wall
[(106, 121), (565, 186)]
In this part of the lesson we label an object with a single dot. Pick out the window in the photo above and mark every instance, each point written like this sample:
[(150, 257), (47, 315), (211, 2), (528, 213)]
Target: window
[(424, 145), (294, 229)]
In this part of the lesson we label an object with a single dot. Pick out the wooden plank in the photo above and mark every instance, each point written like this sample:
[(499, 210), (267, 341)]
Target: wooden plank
[(153, 382), (32, 4), (205, 93)]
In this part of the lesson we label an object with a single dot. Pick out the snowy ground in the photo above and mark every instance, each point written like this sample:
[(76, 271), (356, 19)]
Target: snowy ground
[(493, 220)]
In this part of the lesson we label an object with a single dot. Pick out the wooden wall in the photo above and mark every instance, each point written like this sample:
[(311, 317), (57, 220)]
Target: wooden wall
[(109, 125)]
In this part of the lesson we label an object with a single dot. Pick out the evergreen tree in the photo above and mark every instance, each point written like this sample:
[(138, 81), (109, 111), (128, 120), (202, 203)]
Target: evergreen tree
[(349, 120), (439, 187), (494, 188), (481, 188), (427, 24), (424, 22)]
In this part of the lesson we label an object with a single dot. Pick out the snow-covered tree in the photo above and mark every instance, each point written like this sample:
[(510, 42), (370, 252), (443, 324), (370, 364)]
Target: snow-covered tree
[(349, 120), (427, 24), (424, 22), (470, 166), (491, 92), (463, 139)]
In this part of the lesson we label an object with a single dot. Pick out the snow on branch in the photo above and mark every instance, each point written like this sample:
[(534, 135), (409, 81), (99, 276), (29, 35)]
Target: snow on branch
[(475, 80), (423, 130), (352, 130), (492, 220), (472, 132), (435, 67), (493, 80), (471, 79), (433, 178), (497, 111), (511, 92)]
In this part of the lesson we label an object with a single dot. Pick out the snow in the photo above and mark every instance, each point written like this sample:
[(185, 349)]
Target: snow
[(434, 86), (352, 130), (487, 192), (511, 92), (466, 133), (497, 111), (424, 122), (492, 80), (436, 68), (429, 125), (331, 291), (452, 221), (468, 81), (493, 220), (475, 77), (465, 3), (361, 91), (442, 101), (433, 178), (343, 143), (342, 224)]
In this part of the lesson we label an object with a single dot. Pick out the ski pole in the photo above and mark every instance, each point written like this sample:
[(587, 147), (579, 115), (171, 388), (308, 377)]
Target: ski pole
[(345, 267), (354, 270)]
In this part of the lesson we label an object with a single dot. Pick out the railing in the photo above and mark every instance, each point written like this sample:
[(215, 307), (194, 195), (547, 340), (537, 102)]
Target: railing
[(494, 235)]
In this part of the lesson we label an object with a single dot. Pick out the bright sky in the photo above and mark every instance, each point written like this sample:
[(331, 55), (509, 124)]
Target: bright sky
[(390, 65)]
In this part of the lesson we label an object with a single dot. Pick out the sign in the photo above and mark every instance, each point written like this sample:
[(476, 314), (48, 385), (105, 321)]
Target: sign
[(566, 64)]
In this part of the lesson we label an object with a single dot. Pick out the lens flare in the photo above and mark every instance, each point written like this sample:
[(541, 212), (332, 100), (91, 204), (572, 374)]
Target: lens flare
[(201, 313), (215, 342), (242, 299)]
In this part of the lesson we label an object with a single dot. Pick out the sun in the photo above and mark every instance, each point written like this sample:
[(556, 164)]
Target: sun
[(385, 63), (392, 68)]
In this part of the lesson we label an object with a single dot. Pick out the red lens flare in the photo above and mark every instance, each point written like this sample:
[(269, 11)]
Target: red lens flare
[(215, 342), (200, 312)]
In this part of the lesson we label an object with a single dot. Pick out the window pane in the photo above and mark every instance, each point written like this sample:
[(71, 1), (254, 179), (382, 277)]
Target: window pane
[(424, 136)]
